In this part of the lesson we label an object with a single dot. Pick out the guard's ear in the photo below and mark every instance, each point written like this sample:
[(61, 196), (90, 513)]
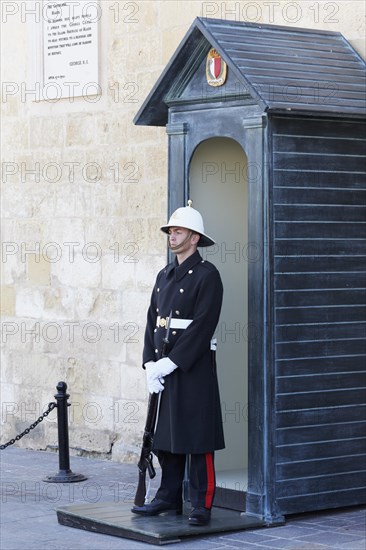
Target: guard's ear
[(195, 238)]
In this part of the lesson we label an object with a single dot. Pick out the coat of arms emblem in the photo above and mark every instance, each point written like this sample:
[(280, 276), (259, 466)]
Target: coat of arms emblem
[(216, 68)]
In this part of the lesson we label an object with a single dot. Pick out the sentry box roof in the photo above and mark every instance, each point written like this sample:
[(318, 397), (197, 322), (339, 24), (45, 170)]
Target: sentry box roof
[(283, 68)]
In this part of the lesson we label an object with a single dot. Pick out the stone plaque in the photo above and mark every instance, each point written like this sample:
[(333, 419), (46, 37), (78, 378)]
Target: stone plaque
[(70, 48)]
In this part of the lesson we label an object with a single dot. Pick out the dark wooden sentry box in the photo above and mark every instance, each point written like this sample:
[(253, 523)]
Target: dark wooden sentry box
[(295, 101)]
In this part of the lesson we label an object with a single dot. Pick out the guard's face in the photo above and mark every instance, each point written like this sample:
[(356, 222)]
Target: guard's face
[(177, 235), (182, 240)]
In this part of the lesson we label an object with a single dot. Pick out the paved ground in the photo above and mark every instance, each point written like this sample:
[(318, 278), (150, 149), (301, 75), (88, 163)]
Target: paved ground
[(29, 521)]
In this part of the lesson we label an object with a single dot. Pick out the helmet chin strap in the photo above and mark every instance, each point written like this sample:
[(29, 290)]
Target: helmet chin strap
[(178, 246)]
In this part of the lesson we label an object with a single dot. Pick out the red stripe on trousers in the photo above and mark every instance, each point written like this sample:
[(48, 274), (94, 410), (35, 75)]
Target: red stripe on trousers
[(210, 481)]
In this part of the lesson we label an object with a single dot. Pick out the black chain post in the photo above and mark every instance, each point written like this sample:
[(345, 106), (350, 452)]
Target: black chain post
[(65, 475)]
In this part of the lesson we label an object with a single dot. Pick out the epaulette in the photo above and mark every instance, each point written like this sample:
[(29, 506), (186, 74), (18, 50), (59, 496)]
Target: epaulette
[(208, 265)]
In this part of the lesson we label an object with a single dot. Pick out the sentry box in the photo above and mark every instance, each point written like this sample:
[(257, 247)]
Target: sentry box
[(266, 134)]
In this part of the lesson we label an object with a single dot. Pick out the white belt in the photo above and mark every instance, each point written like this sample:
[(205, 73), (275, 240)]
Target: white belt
[(174, 323), (181, 324)]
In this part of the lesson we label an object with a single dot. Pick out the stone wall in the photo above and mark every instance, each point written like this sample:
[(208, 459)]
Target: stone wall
[(83, 194)]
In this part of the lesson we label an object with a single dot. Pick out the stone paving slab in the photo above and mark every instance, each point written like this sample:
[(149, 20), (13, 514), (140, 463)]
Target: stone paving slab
[(29, 520)]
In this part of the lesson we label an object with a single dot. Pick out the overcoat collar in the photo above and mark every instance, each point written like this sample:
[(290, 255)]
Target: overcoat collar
[(181, 269)]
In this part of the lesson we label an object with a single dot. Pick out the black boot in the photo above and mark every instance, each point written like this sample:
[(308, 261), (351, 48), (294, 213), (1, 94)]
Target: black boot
[(199, 516), (157, 506)]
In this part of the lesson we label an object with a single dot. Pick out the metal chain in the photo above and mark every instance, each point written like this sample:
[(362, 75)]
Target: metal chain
[(51, 406)]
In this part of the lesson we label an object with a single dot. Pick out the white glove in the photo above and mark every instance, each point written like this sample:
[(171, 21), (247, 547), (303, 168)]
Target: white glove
[(154, 384), (163, 367)]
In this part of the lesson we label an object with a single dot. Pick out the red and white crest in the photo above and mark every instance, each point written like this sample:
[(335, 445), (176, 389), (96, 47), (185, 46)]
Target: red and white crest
[(216, 69), (215, 66)]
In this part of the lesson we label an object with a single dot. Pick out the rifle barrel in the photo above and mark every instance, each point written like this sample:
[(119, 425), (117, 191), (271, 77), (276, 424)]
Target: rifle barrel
[(145, 462)]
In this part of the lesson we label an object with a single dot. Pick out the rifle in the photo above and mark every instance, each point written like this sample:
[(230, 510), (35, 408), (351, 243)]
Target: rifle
[(146, 457)]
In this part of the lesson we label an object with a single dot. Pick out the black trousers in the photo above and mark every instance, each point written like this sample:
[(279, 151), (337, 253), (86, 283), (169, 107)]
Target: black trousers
[(202, 479)]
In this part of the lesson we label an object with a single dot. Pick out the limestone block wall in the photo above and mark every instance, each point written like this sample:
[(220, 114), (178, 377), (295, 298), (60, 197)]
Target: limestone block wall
[(83, 194)]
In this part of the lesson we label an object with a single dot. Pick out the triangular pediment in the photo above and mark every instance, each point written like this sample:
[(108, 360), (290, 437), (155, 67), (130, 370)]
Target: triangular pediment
[(192, 86), (282, 69)]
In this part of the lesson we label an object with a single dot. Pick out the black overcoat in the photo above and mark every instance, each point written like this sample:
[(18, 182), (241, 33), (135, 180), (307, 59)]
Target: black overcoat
[(190, 414)]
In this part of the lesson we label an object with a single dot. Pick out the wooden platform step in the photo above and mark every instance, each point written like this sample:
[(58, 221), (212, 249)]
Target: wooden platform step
[(114, 519)]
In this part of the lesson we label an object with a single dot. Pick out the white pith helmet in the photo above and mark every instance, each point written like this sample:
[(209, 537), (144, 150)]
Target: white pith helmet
[(189, 218)]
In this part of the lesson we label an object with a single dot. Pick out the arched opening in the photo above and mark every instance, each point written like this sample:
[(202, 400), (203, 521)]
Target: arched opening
[(218, 186)]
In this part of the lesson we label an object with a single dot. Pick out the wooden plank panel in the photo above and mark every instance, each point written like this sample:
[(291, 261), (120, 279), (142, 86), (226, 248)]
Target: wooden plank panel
[(254, 64), (308, 54), (294, 195), (323, 348), (323, 331), (336, 398), (319, 223), (310, 434), (286, 471), (294, 281), (258, 58), (309, 383), (313, 179), (316, 229), (278, 73), (328, 499), (313, 264), (234, 32), (310, 144), (326, 163), (318, 484), (306, 51), (323, 212), (302, 503), (323, 43), (325, 449), (331, 314), (279, 40), (321, 297), (321, 415), (316, 365), (321, 247), (321, 128)]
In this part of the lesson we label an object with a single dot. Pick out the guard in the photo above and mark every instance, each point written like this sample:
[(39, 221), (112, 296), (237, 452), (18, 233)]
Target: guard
[(190, 291)]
